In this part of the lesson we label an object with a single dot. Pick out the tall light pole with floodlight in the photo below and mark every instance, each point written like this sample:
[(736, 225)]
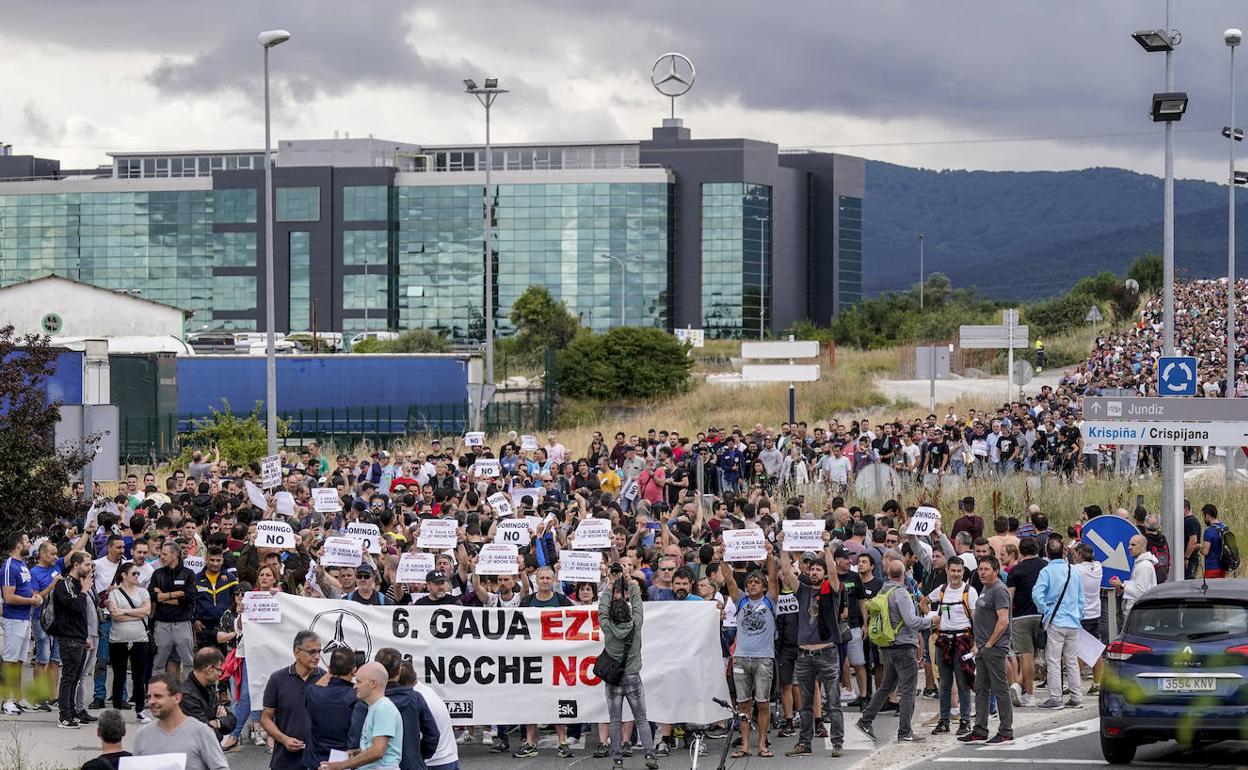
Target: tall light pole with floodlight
[(269, 39), (1233, 37), (1168, 107), (486, 94)]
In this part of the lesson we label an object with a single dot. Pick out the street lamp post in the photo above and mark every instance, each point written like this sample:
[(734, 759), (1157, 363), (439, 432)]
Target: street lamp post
[(269, 39), (486, 94), (922, 277), (623, 287), (1168, 107), (1232, 38)]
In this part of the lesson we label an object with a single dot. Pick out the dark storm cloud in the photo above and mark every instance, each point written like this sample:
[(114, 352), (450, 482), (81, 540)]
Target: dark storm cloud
[(1052, 68)]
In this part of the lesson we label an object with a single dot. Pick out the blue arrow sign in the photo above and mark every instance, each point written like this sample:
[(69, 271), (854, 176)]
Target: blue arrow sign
[(1176, 376), (1109, 537)]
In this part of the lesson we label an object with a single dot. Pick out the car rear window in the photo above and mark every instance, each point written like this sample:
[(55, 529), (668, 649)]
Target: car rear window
[(1188, 619)]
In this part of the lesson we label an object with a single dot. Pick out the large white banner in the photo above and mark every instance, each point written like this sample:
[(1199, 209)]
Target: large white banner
[(512, 666)]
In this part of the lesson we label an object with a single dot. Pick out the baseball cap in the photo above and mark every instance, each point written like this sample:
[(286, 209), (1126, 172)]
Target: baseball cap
[(364, 569), (435, 576), (810, 556), (842, 552)]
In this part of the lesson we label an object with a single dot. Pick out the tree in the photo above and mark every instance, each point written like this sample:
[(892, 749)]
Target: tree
[(1149, 272), (626, 362), (242, 440), (541, 322), (35, 474)]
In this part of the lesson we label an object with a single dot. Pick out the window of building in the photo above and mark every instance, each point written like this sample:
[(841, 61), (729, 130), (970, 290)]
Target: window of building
[(849, 252), (234, 205), (367, 292), (365, 204), (736, 259), (300, 281), (234, 249), (234, 292), (298, 204), (364, 247)]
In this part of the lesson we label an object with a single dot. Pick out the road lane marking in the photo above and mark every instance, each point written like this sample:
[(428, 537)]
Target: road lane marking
[(1055, 735)]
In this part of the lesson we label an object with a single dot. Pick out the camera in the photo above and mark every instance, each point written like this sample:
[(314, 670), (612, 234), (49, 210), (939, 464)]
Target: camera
[(616, 568)]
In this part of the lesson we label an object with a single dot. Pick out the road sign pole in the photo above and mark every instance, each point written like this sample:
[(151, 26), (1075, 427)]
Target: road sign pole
[(1009, 371), (931, 376), (792, 395)]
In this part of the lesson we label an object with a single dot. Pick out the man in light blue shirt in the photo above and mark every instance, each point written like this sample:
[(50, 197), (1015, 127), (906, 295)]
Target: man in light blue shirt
[(381, 739), (1058, 596)]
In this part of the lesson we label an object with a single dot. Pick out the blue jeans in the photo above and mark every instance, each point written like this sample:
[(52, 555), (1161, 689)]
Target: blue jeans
[(101, 662), (242, 706)]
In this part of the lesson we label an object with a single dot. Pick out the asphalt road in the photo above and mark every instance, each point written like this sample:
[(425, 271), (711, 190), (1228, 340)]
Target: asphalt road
[(1077, 745)]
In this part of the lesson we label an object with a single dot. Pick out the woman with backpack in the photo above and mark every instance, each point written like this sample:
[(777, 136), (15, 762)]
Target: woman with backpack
[(954, 641)]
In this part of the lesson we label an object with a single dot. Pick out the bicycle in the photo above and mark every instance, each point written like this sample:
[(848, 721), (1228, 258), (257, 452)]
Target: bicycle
[(695, 747)]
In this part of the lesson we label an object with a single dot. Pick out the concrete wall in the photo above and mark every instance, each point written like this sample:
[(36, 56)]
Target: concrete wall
[(86, 311)]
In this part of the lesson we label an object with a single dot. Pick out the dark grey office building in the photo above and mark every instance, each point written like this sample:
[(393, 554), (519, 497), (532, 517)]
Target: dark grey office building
[(728, 235)]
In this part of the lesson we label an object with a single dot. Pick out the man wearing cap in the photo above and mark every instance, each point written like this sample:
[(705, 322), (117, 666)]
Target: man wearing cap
[(439, 587), (366, 587)]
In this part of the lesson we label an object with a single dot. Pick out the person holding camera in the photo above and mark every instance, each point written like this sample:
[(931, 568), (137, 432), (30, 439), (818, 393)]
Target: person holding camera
[(620, 615)]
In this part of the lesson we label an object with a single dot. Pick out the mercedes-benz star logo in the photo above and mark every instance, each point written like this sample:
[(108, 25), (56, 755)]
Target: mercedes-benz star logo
[(342, 629), (672, 74)]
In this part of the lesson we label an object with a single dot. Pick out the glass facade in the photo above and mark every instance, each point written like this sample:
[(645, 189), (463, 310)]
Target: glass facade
[(158, 243), (234, 293), (298, 204), (366, 204), (365, 247), (300, 281), (552, 235), (736, 259), (234, 206), (849, 252), (233, 249)]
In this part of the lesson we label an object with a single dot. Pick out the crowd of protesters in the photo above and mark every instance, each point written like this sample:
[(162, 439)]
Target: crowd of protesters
[(967, 615)]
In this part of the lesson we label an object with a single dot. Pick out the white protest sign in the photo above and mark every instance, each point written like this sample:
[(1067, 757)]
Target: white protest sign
[(255, 496), (593, 533), (803, 534), (532, 651), (487, 468), (924, 521), (519, 493), (514, 531), (497, 559), (786, 604), (326, 500), (501, 505), (414, 567), (271, 471), (743, 545), (528, 443), (368, 535), (93, 516), (438, 534), (284, 503), (629, 491), (275, 534), (341, 552), (474, 438), (580, 566), (261, 607), (194, 563)]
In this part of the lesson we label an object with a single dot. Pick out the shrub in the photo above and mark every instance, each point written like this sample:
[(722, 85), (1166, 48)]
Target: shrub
[(626, 362), (241, 440)]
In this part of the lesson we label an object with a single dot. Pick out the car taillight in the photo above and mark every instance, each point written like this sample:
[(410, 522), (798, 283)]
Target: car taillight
[(1239, 649), (1120, 650)]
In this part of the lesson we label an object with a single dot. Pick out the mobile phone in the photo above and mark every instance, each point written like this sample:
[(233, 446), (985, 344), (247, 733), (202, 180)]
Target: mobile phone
[(653, 525)]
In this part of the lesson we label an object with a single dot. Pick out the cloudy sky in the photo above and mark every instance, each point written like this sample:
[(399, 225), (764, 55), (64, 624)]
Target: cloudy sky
[(982, 84)]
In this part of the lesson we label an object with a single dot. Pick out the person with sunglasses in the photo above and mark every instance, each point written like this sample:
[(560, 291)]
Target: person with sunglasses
[(285, 715), (130, 606), (366, 590)]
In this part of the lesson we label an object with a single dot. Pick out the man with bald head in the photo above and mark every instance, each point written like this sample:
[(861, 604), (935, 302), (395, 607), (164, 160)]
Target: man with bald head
[(1143, 574), (381, 739)]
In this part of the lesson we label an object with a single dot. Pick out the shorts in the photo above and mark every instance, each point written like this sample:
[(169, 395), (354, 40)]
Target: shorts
[(855, 653), (1022, 634), (1091, 462), (752, 678), (786, 664), (47, 649), (1093, 626), (16, 639)]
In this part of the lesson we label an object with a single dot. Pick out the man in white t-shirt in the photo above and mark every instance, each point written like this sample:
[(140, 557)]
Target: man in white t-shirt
[(954, 603), (1089, 571)]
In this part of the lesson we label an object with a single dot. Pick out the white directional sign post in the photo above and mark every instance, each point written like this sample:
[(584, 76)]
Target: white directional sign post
[(791, 372), (1170, 433), (1008, 334)]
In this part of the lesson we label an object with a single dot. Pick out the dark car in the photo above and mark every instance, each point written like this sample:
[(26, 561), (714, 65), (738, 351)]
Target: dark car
[(1179, 670)]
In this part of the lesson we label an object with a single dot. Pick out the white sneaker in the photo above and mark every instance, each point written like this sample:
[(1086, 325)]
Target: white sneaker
[(258, 737), (464, 737), (1027, 700), (847, 695), (144, 717), (1016, 694), (10, 708), (24, 705)]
